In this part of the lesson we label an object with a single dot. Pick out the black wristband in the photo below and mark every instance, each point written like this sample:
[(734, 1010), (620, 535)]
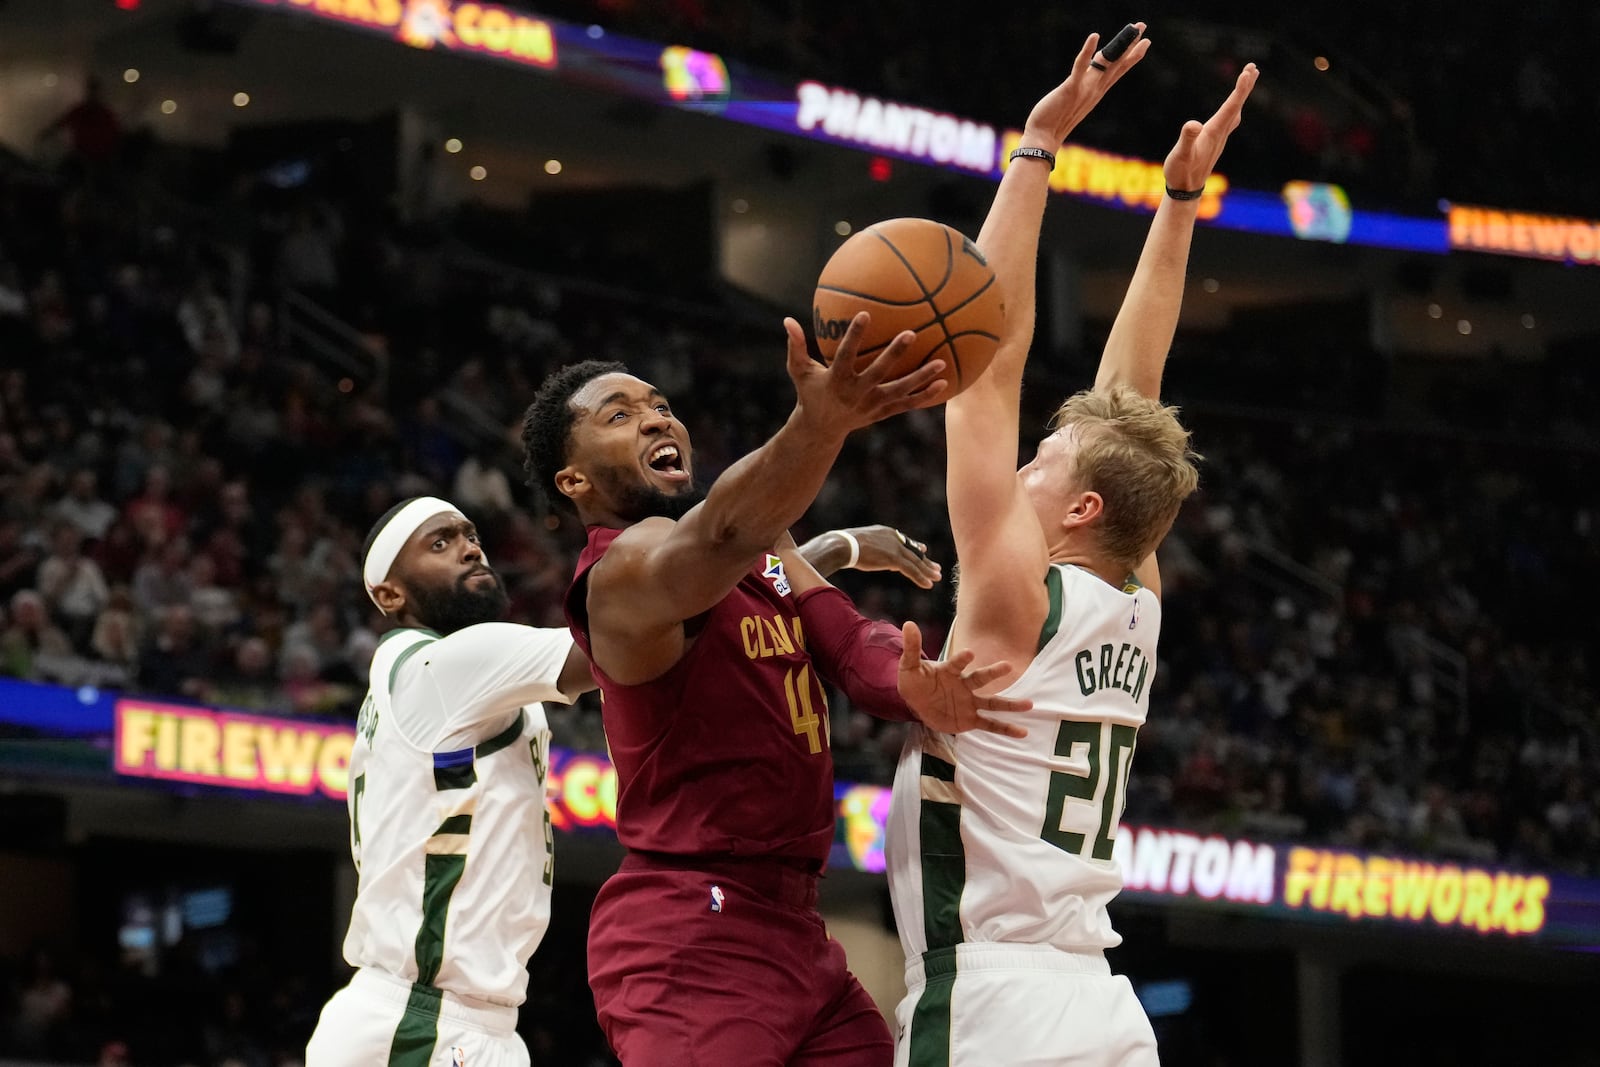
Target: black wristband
[(1044, 155), (1185, 194)]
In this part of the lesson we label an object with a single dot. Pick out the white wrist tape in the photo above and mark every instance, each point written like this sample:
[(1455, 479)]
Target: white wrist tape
[(855, 548)]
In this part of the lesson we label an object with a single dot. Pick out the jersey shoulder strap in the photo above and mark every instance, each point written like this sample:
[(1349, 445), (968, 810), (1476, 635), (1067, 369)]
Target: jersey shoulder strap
[(394, 648)]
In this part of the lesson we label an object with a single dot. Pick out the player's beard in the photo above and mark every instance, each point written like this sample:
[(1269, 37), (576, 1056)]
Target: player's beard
[(639, 500), (459, 605)]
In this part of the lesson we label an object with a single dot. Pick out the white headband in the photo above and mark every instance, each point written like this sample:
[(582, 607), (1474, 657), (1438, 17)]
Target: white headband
[(394, 535)]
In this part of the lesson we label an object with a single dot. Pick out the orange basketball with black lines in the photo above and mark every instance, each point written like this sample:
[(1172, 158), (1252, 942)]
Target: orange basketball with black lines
[(917, 275)]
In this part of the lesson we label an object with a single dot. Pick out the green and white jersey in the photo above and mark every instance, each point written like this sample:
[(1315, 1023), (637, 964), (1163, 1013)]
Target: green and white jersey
[(996, 839), (448, 825)]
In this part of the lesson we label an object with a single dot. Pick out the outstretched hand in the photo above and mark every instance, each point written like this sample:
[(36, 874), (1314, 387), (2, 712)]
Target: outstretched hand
[(1054, 117), (883, 548), (1200, 145), (944, 693), (854, 391)]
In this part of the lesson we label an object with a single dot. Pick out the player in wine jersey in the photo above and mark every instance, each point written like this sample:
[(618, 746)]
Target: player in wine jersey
[(1000, 850), (710, 637), (448, 826)]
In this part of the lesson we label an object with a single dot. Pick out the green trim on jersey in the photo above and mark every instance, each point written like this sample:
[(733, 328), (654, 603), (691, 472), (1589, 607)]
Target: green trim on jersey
[(398, 630), (944, 878), (504, 739), (399, 661), (944, 861), (418, 1032), (440, 874), (455, 824), (930, 1019), (1052, 621)]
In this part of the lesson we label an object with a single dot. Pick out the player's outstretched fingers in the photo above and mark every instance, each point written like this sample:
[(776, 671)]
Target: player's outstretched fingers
[(875, 370), (1121, 54), (850, 344), (1005, 729), (1233, 107), (910, 646), (919, 388), (799, 360), (883, 548), (931, 394), (916, 565), (979, 677)]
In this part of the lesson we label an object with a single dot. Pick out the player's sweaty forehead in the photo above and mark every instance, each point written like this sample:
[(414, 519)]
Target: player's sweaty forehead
[(608, 389)]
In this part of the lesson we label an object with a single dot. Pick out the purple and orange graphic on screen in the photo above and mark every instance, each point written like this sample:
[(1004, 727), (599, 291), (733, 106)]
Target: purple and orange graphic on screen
[(693, 77)]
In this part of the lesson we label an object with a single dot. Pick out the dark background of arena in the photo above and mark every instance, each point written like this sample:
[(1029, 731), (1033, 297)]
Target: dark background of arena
[(230, 336)]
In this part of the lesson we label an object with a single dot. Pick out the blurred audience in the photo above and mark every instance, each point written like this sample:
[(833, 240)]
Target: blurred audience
[(1371, 636), (1345, 100)]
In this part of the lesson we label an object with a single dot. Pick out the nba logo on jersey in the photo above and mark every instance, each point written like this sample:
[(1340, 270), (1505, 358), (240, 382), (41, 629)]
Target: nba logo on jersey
[(716, 898), (458, 1056), (1134, 620), (774, 571)]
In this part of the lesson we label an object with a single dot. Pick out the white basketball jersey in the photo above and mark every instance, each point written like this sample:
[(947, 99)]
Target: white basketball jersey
[(992, 838), (454, 848)]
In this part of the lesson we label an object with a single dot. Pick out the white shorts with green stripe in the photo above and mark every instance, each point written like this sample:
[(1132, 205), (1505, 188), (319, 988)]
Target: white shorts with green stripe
[(1013, 1005), (379, 1019)]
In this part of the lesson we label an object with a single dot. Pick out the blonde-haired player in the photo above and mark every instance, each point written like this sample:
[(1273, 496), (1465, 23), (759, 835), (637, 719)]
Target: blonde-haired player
[(1000, 850)]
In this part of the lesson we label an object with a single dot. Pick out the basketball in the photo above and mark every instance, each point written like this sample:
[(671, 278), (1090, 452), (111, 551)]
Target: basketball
[(917, 275)]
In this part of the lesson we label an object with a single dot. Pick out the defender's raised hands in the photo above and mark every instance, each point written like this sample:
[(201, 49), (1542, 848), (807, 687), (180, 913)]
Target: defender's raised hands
[(1093, 73), (944, 693), (1200, 145)]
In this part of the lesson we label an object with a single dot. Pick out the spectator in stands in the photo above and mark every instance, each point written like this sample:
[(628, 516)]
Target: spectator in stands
[(206, 323), (19, 557), (215, 607), (94, 133), (1319, 711), (83, 507), (117, 632), (481, 484), (31, 637), (174, 662), (163, 578), (251, 683), (153, 513), (72, 585)]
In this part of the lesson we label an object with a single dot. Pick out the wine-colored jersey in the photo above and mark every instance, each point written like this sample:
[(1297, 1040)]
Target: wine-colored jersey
[(727, 752)]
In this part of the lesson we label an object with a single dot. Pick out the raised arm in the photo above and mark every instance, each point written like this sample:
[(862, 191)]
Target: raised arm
[(1136, 351), (880, 666), (466, 687), (1001, 599), (1010, 234), (872, 548), (660, 572)]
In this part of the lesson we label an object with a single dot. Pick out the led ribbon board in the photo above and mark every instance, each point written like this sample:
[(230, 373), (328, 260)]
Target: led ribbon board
[(57, 732), (675, 76)]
